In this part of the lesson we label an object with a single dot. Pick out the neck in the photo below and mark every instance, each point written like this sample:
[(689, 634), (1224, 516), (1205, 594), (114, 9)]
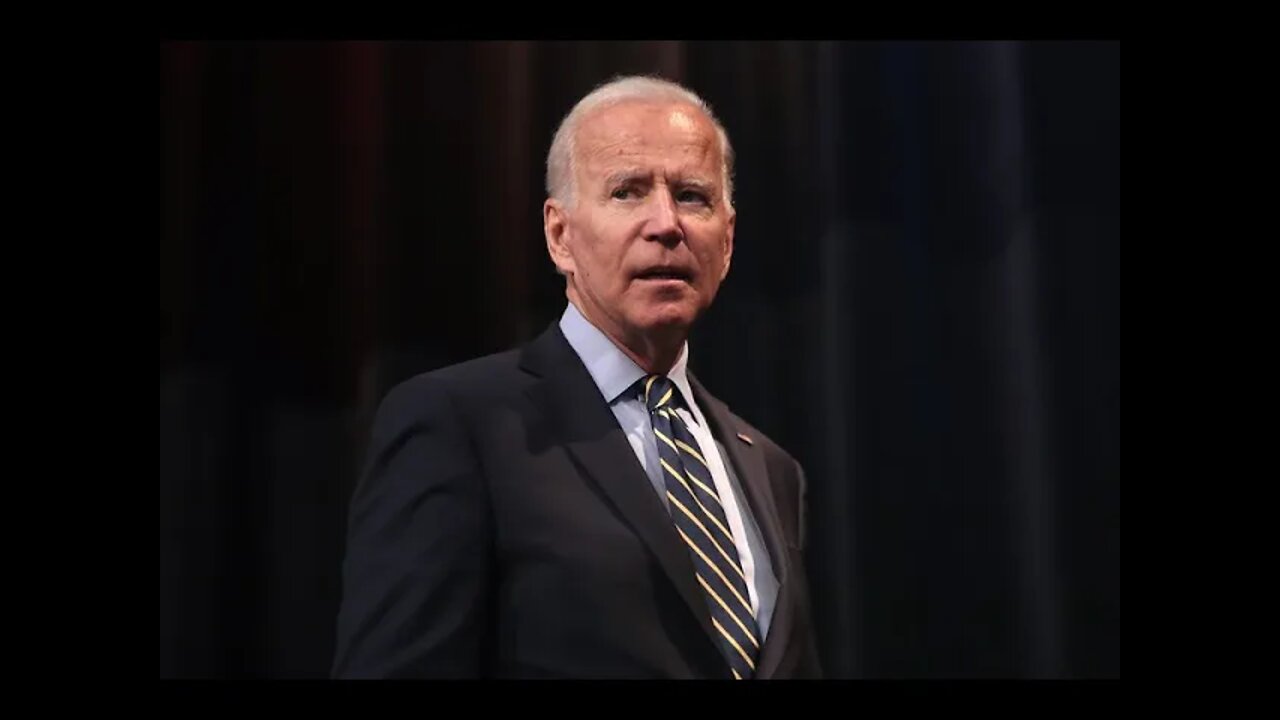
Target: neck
[(655, 351)]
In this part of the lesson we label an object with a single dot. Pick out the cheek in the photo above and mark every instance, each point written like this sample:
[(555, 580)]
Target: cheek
[(713, 262)]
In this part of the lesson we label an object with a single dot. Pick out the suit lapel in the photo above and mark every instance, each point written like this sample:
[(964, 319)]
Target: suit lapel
[(571, 402), (748, 462)]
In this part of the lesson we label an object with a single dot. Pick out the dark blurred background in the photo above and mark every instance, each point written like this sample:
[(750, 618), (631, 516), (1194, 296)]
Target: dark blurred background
[(924, 308)]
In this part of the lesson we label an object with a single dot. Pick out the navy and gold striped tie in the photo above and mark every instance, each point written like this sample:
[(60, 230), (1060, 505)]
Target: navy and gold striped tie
[(699, 518)]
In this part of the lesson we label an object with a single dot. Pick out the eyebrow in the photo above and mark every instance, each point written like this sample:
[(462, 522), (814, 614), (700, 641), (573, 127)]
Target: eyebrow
[(619, 177), (696, 183)]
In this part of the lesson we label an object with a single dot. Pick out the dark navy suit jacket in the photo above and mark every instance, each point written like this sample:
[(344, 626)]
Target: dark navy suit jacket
[(502, 527)]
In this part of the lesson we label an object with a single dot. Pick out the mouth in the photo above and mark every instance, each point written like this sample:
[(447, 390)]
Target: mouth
[(665, 273)]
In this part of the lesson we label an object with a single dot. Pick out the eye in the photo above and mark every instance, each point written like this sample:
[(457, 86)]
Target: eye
[(623, 193), (693, 196)]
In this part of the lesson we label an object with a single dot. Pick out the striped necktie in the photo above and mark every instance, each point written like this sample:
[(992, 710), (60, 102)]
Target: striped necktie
[(699, 518)]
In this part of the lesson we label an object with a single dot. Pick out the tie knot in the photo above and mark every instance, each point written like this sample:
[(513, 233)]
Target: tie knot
[(658, 392)]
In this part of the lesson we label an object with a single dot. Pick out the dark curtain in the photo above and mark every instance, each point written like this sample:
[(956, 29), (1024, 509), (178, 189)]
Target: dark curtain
[(924, 308)]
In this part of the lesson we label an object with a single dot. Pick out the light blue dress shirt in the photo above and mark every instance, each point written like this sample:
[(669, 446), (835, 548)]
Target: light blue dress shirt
[(614, 373)]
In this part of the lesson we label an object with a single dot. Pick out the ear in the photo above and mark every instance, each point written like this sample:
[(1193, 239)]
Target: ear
[(728, 243), (555, 226)]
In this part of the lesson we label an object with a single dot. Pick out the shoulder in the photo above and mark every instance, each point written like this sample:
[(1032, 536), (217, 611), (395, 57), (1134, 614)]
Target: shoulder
[(476, 382), (473, 375)]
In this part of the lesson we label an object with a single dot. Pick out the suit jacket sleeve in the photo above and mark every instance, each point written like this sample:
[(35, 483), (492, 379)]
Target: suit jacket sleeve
[(811, 662), (416, 573), (803, 509)]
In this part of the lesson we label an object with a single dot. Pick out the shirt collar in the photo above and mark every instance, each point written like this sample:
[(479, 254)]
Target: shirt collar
[(611, 369)]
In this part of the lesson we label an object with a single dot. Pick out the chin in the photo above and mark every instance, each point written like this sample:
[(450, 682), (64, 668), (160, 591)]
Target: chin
[(667, 316)]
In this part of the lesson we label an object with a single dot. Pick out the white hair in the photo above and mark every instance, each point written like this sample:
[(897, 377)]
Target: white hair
[(561, 158)]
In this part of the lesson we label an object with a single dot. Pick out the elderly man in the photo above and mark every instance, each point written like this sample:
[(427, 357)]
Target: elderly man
[(582, 506)]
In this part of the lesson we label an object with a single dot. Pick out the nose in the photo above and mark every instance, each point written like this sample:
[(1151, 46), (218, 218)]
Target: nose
[(663, 223)]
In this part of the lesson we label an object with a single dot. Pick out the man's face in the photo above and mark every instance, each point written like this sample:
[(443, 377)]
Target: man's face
[(648, 239)]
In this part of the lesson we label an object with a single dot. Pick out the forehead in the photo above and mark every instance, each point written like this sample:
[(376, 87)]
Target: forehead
[(675, 136)]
